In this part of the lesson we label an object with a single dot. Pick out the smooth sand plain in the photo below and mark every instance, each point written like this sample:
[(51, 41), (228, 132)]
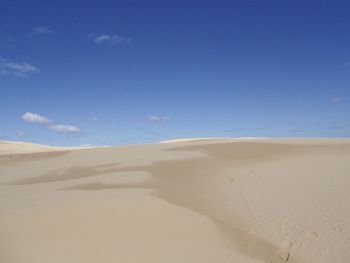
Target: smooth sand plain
[(204, 200)]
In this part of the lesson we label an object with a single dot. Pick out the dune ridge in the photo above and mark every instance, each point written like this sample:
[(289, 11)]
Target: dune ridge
[(205, 200), (13, 147)]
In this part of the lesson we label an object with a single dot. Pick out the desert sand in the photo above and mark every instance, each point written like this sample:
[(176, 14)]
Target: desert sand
[(223, 200), (11, 147)]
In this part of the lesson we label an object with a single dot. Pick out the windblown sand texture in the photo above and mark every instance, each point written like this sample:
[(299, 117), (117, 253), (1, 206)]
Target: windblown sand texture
[(219, 200)]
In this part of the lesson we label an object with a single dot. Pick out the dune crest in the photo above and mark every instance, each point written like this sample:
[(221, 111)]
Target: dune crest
[(12, 147)]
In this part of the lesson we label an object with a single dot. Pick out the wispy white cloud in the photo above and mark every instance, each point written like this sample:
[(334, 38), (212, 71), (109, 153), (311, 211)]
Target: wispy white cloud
[(20, 133), (42, 30), (336, 99), (50, 124), (22, 69), (87, 145), (154, 118), (94, 118), (36, 118), (110, 39), (64, 128)]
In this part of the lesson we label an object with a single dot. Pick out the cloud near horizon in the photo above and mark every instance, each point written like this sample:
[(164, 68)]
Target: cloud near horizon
[(157, 119), (23, 69), (20, 133), (64, 128), (50, 124), (36, 118), (111, 39)]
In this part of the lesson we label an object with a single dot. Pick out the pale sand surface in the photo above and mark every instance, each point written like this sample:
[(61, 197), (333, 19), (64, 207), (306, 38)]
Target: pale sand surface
[(222, 200), (9, 147)]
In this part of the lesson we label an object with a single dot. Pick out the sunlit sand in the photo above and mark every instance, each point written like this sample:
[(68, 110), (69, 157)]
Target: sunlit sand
[(203, 200)]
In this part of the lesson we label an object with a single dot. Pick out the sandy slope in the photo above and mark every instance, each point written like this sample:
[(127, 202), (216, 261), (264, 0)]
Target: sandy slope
[(9, 147), (191, 201)]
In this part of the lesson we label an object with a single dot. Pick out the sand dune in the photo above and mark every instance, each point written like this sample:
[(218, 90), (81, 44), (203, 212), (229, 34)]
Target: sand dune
[(222, 200), (210, 139), (8, 147)]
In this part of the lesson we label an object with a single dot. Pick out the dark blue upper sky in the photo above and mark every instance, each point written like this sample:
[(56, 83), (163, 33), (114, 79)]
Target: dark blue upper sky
[(114, 72)]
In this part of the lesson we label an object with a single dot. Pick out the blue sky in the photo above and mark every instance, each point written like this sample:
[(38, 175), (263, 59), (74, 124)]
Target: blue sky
[(117, 72)]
